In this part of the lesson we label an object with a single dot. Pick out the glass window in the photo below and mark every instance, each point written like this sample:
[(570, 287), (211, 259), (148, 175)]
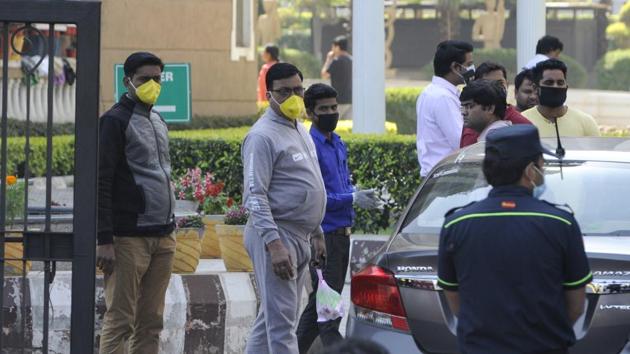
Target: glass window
[(242, 30), (597, 192)]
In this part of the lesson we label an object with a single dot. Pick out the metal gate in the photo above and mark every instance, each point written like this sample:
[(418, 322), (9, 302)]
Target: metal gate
[(44, 243)]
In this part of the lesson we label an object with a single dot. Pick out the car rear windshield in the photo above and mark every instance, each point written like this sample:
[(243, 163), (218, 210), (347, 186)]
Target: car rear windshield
[(597, 192)]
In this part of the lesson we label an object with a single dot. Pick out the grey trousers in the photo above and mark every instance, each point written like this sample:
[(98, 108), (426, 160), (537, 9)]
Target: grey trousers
[(273, 331)]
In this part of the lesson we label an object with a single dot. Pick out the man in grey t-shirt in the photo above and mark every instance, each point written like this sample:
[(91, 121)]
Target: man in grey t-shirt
[(286, 198)]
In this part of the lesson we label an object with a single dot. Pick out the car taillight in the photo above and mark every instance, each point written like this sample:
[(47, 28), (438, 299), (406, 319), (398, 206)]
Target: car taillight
[(375, 294)]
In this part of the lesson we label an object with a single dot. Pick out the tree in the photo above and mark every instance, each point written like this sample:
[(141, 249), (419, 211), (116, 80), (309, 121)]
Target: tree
[(449, 18), (619, 32)]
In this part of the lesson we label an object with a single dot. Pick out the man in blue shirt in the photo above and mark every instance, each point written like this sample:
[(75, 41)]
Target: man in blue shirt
[(512, 266), (321, 106)]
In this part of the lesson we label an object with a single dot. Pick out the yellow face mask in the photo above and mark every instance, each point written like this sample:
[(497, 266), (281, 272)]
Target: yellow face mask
[(292, 107), (148, 92)]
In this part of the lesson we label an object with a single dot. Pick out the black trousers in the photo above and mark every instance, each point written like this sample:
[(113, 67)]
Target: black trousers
[(337, 257)]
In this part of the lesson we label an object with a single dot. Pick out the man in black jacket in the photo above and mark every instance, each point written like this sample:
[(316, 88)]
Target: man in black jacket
[(136, 244)]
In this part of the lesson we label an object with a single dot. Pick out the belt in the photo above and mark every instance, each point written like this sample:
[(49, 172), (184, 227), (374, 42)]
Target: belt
[(342, 231)]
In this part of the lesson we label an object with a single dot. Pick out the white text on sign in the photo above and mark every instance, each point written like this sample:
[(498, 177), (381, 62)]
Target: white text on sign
[(167, 76)]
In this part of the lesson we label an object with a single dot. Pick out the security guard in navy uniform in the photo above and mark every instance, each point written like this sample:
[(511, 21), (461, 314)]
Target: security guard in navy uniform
[(513, 267)]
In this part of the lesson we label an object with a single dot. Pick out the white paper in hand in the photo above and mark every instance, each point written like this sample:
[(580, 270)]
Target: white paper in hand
[(328, 301)]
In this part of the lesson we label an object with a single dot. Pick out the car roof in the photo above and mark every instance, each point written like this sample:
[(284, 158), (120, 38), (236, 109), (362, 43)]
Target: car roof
[(577, 149)]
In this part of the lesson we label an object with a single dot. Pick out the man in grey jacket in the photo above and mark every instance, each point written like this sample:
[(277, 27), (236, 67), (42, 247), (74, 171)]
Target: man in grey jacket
[(286, 198), (136, 244)]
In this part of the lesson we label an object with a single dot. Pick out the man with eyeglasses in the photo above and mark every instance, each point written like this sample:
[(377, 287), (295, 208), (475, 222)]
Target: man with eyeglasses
[(550, 80), (285, 195), (483, 107)]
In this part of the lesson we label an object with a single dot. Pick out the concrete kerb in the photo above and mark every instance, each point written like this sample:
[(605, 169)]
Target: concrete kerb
[(205, 312)]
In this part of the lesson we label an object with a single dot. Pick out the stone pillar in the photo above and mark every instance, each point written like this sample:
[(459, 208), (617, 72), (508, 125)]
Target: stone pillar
[(368, 67), (530, 26)]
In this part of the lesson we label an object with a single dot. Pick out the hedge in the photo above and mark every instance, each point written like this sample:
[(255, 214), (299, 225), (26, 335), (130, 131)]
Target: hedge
[(396, 169), (63, 155), (401, 107), (387, 161), (613, 70), (17, 127)]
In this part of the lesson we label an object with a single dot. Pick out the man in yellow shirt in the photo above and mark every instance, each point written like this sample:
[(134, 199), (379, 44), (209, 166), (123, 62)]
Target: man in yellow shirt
[(550, 78)]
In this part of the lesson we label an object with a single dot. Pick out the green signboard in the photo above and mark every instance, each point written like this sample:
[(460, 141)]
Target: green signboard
[(174, 103)]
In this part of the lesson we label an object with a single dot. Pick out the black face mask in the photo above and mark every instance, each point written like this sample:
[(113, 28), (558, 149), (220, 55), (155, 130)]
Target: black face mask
[(552, 96), (327, 122), (467, 75)]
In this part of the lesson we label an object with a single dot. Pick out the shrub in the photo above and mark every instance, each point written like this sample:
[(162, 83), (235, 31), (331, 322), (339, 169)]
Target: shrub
[(18, 128), (14, 207), (503, 56), (618, 32), (190, 222), (577, 76), (297, 40), (308, 64), (213, 122), (401, 108), (62, 162), (291, 19), (396, 172), (236, 215), (345, 127), (613, 70)]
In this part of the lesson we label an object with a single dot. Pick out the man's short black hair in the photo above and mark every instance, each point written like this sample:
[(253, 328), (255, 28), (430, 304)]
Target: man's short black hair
[(486, 93), (138, 59), (548, 44), (549, 64), (341, 42), (281, 71), (520, 78), (505, 172), (487, 67), (317, 92), (448, 52)]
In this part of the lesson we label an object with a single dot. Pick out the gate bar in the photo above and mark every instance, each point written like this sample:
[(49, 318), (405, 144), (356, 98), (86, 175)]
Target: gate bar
[(85, 178), (3, 154), (86, 15)]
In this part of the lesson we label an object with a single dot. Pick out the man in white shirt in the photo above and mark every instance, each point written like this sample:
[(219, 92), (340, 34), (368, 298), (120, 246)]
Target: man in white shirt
[(548, 47), (483, 106), (438, 108)]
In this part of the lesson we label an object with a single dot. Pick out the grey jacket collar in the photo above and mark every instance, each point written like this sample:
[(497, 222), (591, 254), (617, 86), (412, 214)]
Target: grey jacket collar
[(275, 117)]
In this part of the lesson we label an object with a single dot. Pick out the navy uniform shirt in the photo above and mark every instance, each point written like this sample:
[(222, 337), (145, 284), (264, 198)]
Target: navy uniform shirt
[(333, 162), (511, 257)]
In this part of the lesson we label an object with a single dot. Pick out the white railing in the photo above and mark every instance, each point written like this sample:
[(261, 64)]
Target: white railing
[(63, 101)]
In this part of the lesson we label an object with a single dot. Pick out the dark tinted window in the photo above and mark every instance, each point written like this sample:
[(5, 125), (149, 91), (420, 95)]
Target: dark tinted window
[(598, 193)]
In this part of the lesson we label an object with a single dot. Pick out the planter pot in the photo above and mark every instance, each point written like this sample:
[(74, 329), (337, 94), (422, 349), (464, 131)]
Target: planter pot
[(188, 250), (233, 251), (15, 251), (210, 243), (186, 206)]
